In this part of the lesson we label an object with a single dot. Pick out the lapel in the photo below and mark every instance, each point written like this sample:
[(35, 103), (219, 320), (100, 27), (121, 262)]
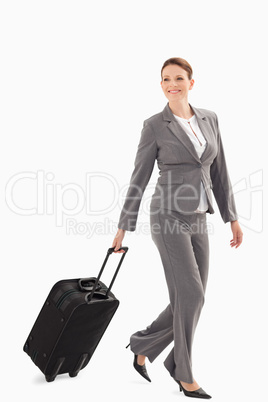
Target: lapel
[(183, 137)]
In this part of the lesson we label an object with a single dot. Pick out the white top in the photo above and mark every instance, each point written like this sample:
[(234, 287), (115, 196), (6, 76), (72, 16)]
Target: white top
[(199, 142)]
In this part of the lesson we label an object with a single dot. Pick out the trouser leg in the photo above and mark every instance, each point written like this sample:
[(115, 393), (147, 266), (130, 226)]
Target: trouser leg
[(200, 243), (184, 254), (155, 338)]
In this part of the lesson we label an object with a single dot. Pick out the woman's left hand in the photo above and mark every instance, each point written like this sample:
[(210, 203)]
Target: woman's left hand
[(237, 234)]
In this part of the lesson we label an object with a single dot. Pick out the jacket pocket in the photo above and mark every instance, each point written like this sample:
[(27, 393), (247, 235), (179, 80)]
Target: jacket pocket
[(167, 179)]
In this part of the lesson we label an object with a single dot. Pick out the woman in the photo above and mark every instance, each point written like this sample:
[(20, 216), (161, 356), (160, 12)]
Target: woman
[(186, 142)]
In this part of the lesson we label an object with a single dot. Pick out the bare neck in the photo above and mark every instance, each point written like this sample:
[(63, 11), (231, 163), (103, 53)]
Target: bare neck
[(182, 109)]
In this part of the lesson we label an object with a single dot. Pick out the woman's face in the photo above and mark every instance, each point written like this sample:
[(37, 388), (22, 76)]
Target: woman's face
[(175, 83)]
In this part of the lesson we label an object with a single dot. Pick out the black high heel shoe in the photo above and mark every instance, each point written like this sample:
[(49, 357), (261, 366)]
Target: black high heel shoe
[(140, 369), (198, 393)]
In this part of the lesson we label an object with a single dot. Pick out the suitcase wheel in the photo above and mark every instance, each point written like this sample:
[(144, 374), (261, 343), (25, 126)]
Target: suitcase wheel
[(79, 365), (50, 378)]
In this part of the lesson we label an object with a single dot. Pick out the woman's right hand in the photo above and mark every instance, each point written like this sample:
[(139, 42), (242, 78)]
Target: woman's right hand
[(117, 243)]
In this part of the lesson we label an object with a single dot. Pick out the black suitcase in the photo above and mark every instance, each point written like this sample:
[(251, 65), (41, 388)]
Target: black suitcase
[(71, 323)]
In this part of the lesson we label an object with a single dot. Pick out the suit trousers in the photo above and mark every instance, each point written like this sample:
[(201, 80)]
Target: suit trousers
[(182, 241)]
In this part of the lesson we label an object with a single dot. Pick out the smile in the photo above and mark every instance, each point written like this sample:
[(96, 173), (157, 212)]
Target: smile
[(174, 92)]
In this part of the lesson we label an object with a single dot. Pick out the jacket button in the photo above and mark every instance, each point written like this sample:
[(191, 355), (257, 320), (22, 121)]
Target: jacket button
[(199, 164)]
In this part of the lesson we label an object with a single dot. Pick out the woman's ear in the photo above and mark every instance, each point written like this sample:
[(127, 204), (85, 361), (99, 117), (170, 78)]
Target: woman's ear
[(191, 84)]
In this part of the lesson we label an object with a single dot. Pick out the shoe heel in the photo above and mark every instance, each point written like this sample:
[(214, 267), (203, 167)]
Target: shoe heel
[(127, 346)]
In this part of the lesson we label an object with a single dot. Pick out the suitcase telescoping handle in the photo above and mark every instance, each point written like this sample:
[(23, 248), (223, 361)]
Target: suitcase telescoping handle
[(109, 252)]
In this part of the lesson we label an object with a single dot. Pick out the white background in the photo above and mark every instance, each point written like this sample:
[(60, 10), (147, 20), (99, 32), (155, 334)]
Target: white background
[(78, 78)]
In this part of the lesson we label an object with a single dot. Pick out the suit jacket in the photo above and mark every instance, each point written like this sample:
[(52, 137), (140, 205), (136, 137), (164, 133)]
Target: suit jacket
[(180, 168)]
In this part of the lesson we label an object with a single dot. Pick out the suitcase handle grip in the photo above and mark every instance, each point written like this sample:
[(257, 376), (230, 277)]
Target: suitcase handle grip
[(109, 252), (87, 284), (111, 249)]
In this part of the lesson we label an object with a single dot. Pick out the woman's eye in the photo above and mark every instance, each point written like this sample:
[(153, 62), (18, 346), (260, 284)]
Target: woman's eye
[(179, 78)]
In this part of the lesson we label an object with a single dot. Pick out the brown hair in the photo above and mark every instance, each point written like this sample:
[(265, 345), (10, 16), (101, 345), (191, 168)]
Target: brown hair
[(180, 62)]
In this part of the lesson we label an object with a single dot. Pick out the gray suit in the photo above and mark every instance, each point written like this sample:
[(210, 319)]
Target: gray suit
[(179, 233), (180, 169)]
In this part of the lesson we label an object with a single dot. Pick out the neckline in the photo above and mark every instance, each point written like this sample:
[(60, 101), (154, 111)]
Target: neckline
[(181, 118)]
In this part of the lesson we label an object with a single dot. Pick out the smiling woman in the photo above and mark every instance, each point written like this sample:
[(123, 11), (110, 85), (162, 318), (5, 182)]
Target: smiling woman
[(186, 142), (177, 80)]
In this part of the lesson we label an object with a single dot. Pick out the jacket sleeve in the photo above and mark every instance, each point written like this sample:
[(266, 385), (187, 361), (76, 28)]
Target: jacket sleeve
[(143, 168), (222, 188)]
